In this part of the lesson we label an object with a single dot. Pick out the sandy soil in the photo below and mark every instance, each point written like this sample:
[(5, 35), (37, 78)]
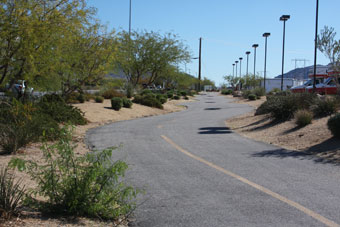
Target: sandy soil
[(97, 114), (314, 139)]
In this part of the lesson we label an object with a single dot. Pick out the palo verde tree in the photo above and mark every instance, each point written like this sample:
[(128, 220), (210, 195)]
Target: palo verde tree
[(145, 56)]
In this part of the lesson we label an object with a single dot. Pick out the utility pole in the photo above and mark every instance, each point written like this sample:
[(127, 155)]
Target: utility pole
[(130, 20), (316, 44), (199, 66)]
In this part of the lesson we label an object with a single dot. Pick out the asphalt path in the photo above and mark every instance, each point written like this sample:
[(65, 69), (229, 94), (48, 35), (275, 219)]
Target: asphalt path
[(197, 172)]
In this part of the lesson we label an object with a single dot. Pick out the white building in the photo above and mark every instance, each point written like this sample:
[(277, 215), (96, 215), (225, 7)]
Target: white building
[(272, 83)]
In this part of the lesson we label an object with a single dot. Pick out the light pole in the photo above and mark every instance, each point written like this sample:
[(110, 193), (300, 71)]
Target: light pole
[(255, 46), (233, 70), (265, 60), (130, 20), (316, 44), (240, 73), (236, 69), (283, 18), (247, 53)]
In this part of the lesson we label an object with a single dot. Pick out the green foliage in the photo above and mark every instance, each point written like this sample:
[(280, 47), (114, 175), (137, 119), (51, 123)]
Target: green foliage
[(246, 93), (145, 92), (226, 92), (23, 123), (303, 117), (148, 100), (127, 103), (11, 194), (259, 92), (176, 97), (112, 93), (186, 98), (87, 185), (55, 106), (162, 98), (170, 94), (116, 103), (183, 93), (334, 125), (99, 99), (274, 91), (81, 98), (252, 97), (129, 90), (325, 107)]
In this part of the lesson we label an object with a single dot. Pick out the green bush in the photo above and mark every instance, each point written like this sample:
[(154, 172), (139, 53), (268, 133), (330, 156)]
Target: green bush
[(246, 93), (11, 194), (84, 185), (325, 107), (162, 98), (127, 103), (226, 92), (176, 97), (186, 98), (183, 93), (55, 106), (89, 96), (129, 90), (116, 103), (81, 98), (303, 117), (99, 99), (259, 92), (112, 93), (252, 97), (334, 125), (24, 123), (145, 92), (170, 94), (137, 99)]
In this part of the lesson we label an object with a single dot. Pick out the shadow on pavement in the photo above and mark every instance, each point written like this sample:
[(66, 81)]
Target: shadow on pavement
[(215, 130), (212, 108), (324, 153)]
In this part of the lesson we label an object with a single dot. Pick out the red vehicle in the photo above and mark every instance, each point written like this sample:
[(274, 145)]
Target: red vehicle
[(329, 87), (302, 88)]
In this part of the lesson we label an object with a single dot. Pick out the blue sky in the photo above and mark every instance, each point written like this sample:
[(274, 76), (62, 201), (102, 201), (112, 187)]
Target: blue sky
[(229, 28)]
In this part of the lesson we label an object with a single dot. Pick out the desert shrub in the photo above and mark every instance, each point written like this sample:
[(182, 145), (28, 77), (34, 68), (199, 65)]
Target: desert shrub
[(127, 103), (81, 98), (186, 98), (170, 94), (23, 123), (303, 117), (112, 93), (259, 92), (129, 90), (99, 99), (226, 92), (145, 92), (274, 91), (11, 194), (246, 93), (264, 108), (162, 98), (334, 125), (89, 96), (183, 93), (137, 99), (83, 185), (116, 103), (324, 107), (55, 106), (151, 101), (176, 97), (252, 97)]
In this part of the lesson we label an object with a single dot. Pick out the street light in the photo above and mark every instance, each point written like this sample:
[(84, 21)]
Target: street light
[(130, 20), (240, 72), (236, 69), (255, 46), (265, 59), (247, 53), (233, 70), (316, 43), (283, 18)]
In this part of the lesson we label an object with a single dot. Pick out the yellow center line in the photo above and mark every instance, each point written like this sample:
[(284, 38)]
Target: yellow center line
[(254, 185)]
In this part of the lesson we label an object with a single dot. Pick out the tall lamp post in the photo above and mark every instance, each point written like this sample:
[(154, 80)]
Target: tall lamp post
[(255, 46), (247, 53), (265, 59), (240, 73), (283, 18), (130, 20), (233, 70), (316, 44), (236, 68)]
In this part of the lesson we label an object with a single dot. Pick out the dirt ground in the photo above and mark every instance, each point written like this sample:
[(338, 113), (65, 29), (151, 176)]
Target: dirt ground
[(97, 114), (313, 140)]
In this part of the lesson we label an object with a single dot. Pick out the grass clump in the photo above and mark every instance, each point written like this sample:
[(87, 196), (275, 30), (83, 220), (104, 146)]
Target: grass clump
[(112, 93), (116, 103), (334, 125), (148, 100), (88, 185), (176, 97), (252, 97), (127, 103), (325, 107), (99, 99), (11, 194), (303, 117), (226, 92)]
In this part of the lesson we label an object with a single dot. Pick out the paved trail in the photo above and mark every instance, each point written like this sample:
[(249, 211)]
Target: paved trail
[(196, 172)]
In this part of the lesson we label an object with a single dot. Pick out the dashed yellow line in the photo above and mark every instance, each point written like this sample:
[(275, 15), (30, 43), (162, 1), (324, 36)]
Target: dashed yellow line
[(298, 206)]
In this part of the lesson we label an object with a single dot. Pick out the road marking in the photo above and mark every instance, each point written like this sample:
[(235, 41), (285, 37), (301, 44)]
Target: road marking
[(254, 185)]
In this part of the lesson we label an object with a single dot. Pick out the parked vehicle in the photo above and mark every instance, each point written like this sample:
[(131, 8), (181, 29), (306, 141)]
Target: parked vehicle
[(302, 88), (327, 88)]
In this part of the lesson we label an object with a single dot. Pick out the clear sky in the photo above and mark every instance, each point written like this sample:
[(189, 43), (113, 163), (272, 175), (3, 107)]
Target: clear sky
[(229, 28)]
